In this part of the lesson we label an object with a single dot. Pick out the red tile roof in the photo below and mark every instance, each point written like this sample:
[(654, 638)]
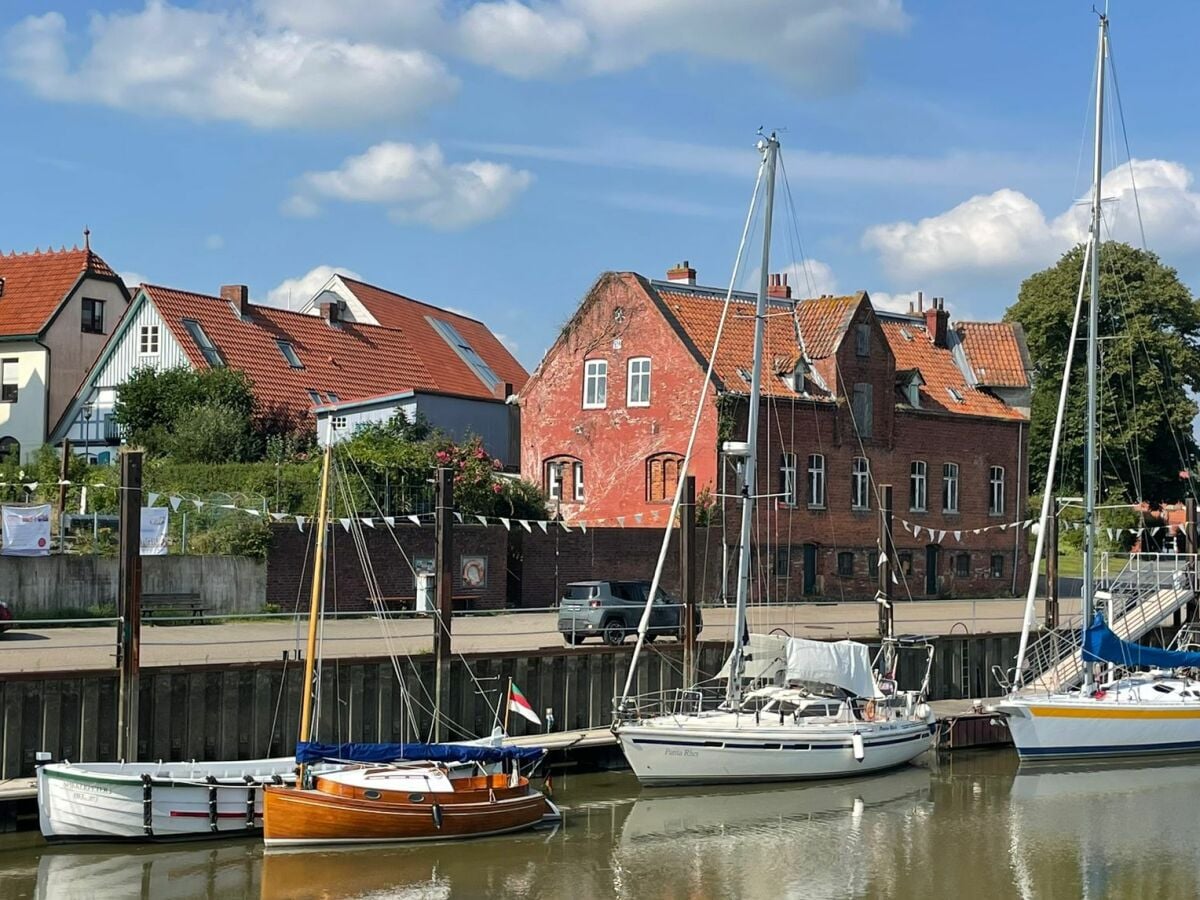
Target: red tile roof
[(913, 350), (36, 283), (821, 321), (394, 310), (351, 360), (993, 350)]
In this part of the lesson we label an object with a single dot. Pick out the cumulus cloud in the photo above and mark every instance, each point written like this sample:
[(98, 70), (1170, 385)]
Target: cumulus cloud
[(811, 278), (520, 41), (898, 303), (1006, 231), (416, 184), (220, 65), (132, 279), (292, 293)]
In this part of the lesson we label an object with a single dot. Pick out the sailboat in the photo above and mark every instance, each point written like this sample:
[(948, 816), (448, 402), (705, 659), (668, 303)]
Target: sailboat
[(822, 712), (385, 792), (1141, 712)]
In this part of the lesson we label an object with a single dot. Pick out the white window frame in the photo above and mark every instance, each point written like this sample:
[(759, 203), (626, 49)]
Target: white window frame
[(816, 481), (860, 483), (595, 372), (641, 379), (577, 477), (148, 337), (10, 377), (554, 482), (996, 491), (950, 487), (918, 486), (787, 479)]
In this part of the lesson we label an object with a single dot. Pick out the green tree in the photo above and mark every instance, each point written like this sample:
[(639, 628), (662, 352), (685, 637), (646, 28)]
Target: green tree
[(1149, 367), (211, 433), (153, 406)]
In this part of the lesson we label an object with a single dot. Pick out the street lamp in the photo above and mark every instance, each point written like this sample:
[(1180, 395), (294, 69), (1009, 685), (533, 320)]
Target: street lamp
[(88, 409)]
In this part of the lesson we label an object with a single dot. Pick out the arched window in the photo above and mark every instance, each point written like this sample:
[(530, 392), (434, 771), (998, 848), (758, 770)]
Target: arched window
[(10, 448), (563, 478), (662, 477)]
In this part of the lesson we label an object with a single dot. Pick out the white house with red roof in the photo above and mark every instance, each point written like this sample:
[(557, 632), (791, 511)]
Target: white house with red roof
[(305, 367), (57, 309)]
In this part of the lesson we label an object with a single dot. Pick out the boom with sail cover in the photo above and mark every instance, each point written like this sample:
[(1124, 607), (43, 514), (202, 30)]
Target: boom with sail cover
[(844, 664), (311, 751), (1101, 644)]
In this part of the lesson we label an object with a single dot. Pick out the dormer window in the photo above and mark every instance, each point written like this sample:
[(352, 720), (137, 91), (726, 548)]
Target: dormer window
[(796, 379)]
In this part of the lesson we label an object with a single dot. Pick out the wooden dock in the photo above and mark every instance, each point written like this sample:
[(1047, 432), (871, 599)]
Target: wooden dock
[(960, 726)]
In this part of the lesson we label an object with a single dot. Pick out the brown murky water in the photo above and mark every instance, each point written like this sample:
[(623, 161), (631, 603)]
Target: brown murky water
[(969, 827)]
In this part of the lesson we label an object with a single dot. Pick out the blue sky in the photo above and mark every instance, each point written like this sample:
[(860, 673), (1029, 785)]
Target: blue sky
[(497, 156)]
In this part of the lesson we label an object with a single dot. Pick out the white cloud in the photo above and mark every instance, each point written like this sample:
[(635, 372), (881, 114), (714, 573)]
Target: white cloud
[(898, 303), (1006, 231), (416, 184), (292, 293), (811, 278), (508, 342), (132, 279), (221, 65), (514, 39), (362, 19)]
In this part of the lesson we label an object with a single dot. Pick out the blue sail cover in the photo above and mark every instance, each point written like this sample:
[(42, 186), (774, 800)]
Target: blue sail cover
[(1101, 644), (311, 751)]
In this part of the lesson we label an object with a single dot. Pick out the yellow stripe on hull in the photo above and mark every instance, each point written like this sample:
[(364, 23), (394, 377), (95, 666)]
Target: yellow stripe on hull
[(1100, 712)]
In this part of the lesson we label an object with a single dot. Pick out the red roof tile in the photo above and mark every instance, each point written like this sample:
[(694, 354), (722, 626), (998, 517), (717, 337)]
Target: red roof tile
[(394, 310), (36, 283), (351, 360), (913, 350), (994, 352)]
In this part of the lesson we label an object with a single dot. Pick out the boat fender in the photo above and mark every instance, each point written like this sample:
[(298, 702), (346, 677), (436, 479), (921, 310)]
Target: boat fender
[(147, 806), (212, 802), (491, 795), (924, 711), (249, 800), (860, 751), (436, 810), (869, 712)]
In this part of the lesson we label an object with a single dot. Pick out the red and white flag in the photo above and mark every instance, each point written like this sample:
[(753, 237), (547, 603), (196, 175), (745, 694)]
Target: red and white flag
[(518, 704)]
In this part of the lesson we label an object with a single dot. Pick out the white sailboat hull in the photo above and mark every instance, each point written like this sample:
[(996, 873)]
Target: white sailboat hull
[(155, 801), (708, 750), (1068, 726)]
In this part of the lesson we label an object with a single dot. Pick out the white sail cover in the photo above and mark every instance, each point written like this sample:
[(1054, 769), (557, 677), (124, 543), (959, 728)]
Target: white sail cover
[(764, 658), (845, 664)]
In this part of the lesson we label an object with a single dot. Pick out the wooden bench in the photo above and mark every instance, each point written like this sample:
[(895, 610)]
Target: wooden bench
[(183, 602)]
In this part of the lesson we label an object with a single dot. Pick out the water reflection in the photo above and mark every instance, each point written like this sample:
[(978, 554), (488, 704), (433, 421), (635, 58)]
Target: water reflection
[(972, 826)]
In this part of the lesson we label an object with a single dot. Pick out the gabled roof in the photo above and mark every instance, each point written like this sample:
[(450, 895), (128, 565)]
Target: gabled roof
[(392, 310), (944, 380), (996, 353), (350, 360), (35, 285), (822, 323)]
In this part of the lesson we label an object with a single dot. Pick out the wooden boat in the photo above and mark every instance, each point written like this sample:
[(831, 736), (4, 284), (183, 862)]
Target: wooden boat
[(411, 792), (384, 804)]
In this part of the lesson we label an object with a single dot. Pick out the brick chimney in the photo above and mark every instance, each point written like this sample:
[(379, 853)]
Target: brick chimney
[(682, 273), (331, 312), (238, 296), (937, 321), (779, 288)]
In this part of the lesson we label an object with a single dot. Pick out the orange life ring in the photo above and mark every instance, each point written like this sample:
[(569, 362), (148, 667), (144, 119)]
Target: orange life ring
[(869, 711)]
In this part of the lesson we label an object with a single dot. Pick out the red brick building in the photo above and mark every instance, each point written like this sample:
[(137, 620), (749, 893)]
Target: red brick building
[(852, 399)]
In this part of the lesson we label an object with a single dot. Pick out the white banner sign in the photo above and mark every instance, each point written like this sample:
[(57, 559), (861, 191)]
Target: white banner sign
[(154, 530), (26, 530)]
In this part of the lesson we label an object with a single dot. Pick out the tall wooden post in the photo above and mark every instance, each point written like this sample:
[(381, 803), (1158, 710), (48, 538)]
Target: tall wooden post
[(129, 598), (1052, 566), (887, 553), (63, 474), (687, 577), (444, 587)]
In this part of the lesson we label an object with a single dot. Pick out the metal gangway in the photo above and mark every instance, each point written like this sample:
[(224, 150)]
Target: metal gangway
[(1144, 594)]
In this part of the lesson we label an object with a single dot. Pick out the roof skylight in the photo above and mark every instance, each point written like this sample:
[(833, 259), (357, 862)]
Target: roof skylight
[(466, 352)]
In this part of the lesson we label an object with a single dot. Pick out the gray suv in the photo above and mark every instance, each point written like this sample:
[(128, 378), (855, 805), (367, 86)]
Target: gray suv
[(611, 610)]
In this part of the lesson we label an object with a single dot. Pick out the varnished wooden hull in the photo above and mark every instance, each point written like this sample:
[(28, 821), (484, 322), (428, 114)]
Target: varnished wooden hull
[(332, 814)]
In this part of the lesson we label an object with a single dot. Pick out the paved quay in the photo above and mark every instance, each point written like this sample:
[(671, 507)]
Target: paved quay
[(33, 648)]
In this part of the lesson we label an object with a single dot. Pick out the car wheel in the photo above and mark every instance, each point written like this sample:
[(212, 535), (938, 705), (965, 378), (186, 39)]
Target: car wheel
[(614, 633), (574, 637)]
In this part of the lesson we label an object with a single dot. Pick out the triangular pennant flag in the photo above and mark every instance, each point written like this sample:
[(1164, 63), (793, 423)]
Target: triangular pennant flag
[(941, 536), (32, 486), (199, 504), (583, 527), (976, 531), (458, 515), (637, 517), (525, 525), (300, 522), (482, 519), (279, 517), (253, 512), (565, 526), (1154, 531), (882, 559), (345, 523), (895, 580), (175, 501), (1029, 523), (63, 482), (416, 520), (621, 521), (1004, 527), (390, 521), (228, 506), (152, 498), (506, 523), (542, 525), (958, 536), (368, 521)]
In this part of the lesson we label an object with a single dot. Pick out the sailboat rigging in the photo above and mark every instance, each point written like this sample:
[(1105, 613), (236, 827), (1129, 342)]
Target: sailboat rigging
[(816, 710)]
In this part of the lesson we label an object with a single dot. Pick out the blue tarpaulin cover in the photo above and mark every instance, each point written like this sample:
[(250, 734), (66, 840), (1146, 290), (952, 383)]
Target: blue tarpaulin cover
[(311, 751), (1101, 644)]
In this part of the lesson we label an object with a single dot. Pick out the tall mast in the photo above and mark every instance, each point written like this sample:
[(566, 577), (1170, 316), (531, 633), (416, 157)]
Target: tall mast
[(314, 605), (770, 149), (1089, 493)]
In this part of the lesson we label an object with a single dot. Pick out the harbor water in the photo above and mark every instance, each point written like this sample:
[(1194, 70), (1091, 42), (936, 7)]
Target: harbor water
[(970, 826)]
